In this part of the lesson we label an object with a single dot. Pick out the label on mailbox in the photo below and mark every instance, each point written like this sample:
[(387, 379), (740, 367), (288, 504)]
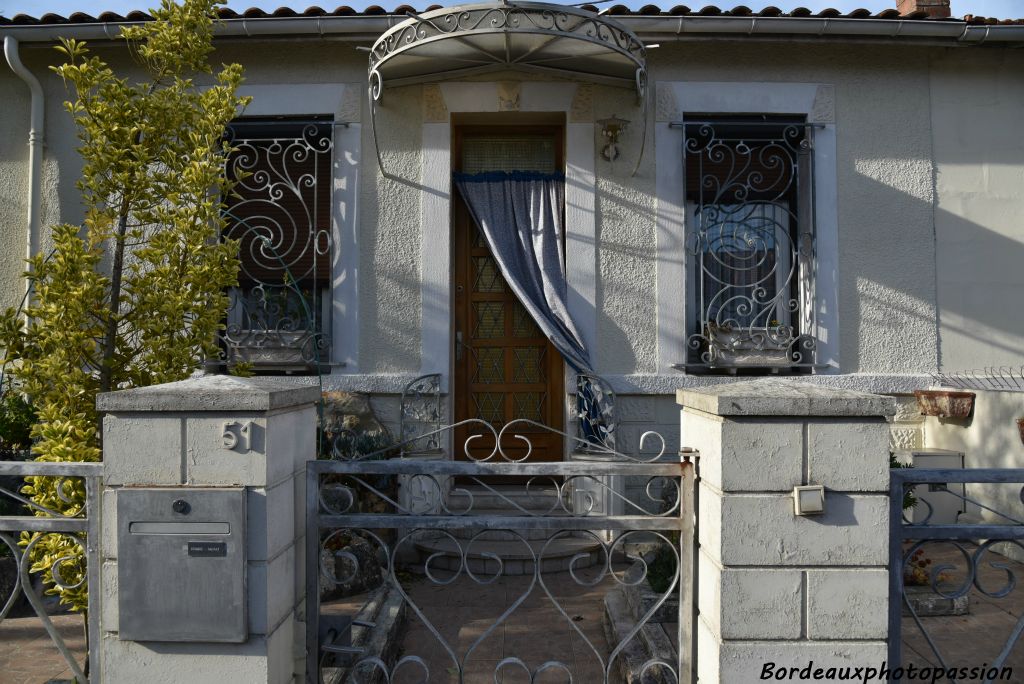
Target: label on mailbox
[(208, 549)]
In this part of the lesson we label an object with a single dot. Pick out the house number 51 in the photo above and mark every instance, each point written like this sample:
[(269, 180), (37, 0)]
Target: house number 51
[(237, 434)]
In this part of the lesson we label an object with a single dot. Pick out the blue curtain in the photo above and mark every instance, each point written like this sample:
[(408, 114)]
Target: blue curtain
[(520, 216)]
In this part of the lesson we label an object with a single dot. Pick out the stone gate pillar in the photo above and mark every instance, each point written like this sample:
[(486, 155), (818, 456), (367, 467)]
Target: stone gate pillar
[(777, 589), (191, 452)]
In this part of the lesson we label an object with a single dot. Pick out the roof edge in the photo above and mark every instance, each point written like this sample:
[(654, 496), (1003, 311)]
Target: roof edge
[(663, 27)]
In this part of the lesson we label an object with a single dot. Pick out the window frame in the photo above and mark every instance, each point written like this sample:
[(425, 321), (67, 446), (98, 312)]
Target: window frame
[(749, 144), (282, 346), (673, 99)]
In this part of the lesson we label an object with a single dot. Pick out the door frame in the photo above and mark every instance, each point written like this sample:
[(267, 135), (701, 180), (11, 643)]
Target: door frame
[(443, 102), (556, 369)]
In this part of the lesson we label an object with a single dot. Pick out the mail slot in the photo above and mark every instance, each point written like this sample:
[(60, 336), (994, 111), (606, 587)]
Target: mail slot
[(181, 564)]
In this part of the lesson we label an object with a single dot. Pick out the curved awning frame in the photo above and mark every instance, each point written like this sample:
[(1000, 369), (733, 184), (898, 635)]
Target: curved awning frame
[(532, 37)]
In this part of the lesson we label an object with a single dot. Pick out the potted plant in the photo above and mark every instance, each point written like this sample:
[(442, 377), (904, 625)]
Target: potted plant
[(1020, 428), (945, 403)]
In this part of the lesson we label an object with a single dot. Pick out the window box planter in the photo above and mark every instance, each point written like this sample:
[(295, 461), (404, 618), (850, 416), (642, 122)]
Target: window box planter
[(287, 351), (945, 403), (747, 348)]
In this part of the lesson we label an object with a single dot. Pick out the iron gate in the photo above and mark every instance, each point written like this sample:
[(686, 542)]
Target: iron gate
[(20, 535), (467, 570), (943, 572)]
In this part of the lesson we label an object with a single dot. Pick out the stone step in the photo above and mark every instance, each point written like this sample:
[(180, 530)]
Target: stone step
[(516, 558), (511, 533), (536, 500)]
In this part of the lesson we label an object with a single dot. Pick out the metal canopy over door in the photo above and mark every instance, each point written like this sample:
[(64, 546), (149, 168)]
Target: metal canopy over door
[(504, 367)]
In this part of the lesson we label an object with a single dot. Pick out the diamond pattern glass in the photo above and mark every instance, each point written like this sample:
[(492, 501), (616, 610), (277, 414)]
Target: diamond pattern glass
[(529, 405), (490, 406), (488, 277), (522, 324), (490, 365), (527, 368), (490, 320)]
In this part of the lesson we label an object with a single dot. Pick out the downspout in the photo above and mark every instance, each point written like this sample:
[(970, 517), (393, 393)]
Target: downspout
[(35, 149)]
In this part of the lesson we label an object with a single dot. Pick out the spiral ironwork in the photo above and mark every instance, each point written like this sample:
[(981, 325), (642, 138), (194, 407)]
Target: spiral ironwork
[(77, 568), (279, 213), (953, 563), (490, 37), (751, 242), (421, 517)]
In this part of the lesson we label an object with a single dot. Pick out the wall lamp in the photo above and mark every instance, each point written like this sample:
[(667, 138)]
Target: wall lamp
[(611, 129)]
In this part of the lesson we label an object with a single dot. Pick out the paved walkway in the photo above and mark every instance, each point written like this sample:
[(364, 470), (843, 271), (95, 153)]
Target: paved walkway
[(977, 638), (28, 656), (537, 632)]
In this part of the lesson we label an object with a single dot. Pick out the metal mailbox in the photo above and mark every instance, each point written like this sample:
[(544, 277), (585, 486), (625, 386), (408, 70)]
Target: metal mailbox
[(181, 564)]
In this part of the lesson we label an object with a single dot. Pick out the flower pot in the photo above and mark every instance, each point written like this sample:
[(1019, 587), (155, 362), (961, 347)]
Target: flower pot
[(945, 403)]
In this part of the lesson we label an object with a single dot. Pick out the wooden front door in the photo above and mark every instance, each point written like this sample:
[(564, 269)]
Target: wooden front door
[(505, 367)]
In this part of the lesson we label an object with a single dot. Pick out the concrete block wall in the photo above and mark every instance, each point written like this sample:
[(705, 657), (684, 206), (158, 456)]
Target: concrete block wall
[(774, 587), (171, 436)]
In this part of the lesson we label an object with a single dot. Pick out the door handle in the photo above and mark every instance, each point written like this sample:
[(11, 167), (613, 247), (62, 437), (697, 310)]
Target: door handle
[(458, 345)]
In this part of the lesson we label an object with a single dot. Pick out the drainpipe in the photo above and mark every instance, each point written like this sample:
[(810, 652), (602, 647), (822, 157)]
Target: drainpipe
[(35, 148)]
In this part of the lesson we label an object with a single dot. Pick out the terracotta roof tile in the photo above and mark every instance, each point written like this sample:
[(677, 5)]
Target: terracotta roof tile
[(614, 10)]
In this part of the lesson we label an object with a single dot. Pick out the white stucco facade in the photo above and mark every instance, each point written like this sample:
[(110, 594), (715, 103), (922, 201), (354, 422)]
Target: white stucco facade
[(919, 186)]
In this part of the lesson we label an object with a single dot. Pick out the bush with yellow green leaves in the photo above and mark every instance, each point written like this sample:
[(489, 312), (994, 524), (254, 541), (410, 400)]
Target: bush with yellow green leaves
[(135, 295)]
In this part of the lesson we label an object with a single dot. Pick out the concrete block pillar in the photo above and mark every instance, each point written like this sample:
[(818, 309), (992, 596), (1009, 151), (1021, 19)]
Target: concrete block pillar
[(251, 438), (777, 590)]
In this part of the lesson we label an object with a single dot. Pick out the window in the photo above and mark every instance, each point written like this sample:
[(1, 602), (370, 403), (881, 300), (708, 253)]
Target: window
[(750, 243), (280, 213)]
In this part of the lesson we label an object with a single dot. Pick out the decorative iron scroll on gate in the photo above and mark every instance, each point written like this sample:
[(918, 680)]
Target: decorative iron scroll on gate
[(21, 533), (941, 572), (466, 551)]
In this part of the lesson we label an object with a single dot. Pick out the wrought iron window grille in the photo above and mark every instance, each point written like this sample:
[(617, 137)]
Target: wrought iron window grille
[(280, 213), (750, 244)]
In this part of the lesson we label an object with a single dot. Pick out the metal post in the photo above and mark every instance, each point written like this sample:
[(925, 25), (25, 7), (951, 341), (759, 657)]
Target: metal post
[(312, 573), (687, 634), (94, 563), (896, 484)]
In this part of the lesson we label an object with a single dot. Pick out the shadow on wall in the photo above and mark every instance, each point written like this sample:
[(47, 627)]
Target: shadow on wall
[(626, 288), (917, 301), (389, 235)]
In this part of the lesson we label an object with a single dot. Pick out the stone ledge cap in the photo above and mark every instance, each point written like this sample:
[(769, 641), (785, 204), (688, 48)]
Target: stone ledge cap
[(210, 393), (778, 397)]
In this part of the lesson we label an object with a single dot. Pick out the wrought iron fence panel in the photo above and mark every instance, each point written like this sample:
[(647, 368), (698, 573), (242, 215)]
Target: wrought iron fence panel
[(21, 534), (420, 414), (424, 525), (937, 566)]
